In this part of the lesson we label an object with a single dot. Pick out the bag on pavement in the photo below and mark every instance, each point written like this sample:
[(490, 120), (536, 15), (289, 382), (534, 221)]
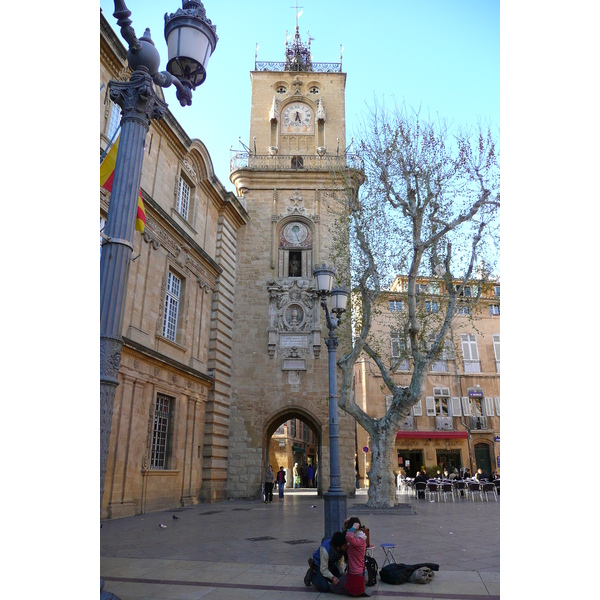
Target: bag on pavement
[(371, 566)]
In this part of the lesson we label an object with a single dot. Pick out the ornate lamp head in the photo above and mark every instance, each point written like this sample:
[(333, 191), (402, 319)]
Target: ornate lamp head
[(191, 40)]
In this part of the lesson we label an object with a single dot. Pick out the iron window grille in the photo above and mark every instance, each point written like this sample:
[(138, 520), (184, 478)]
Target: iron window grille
[(161, 432)]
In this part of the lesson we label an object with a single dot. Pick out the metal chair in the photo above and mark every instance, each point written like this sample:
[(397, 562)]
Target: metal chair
[(388, 551), (489, 488), (446, 488), (433, 488), (420, 487), (461, 488), (475, 488)]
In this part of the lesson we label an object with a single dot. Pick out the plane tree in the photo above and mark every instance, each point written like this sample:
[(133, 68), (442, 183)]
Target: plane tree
[(428, 208)]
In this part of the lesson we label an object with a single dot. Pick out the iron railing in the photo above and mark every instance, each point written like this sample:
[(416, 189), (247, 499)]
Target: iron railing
[(408, 423), (478, 423), (445, 423), (297, 162), (317, 67)]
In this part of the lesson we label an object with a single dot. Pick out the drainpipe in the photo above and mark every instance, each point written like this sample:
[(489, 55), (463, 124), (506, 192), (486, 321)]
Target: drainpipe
[(462, 422)]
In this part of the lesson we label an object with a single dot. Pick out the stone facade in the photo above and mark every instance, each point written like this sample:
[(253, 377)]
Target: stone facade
[(188, 369), (457, 421), (297, 135)]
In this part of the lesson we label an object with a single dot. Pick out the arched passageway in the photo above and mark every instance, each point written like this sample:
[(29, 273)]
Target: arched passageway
[(290, 437)]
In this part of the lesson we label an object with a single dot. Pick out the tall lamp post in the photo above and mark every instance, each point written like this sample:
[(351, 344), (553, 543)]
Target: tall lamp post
[(334, 498), (191, 38)]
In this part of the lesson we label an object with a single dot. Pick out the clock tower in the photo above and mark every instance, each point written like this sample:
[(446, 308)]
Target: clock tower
[(279, 374)]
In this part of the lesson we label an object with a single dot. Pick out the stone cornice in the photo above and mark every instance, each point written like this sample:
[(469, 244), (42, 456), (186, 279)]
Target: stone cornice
[(149, 352)]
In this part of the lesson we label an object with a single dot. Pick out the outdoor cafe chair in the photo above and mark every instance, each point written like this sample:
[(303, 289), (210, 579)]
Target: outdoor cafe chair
[(489, 488), (461, 488), (433, 488), (446, 488), (420, 486), (475, 488)]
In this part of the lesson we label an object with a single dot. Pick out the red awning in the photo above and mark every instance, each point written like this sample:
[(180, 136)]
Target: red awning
[(432, 435)]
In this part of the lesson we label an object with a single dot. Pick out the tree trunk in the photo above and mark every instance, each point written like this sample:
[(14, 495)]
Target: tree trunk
[(382, 479)]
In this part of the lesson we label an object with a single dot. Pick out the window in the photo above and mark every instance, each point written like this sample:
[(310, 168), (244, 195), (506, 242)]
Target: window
[(115, 119), (470, 353), (463, 309), (171, 307), (102, 226), (442, 401), (293, 428), (421, 288), (162, 432), (281, 89), (395, 305), (497, 291), (183, 198), (399, 350), (494, 309), (496, 340), (434, 287), (432, 307)]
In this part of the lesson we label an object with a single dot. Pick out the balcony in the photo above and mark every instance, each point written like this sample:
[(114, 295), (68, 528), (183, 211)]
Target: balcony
[(444, 423), (286, 162), (478, 423), (472, 366)]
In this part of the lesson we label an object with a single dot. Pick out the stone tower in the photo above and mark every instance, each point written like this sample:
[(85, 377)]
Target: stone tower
[(280, 372)]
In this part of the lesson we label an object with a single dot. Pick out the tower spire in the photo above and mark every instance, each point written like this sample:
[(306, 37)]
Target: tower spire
[(297, 56)]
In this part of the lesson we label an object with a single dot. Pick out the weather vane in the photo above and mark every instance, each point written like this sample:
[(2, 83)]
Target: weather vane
[(298, 14)]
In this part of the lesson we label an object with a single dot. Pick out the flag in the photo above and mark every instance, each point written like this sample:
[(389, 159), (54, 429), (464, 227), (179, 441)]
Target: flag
[(107, 172)]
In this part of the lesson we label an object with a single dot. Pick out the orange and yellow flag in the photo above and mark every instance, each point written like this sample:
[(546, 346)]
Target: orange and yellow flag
[(107, 172)]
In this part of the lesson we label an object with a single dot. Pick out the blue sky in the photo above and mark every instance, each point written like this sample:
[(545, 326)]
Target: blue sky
[(441, 55)]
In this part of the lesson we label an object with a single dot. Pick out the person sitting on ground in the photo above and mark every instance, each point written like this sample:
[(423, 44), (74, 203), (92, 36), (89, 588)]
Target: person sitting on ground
[(357, 546), (327, 565)]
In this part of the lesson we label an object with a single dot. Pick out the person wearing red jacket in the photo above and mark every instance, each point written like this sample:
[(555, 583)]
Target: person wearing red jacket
[(357, 546)]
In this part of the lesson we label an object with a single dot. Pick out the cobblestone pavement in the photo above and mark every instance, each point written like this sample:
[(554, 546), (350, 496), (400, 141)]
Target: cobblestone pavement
[(247, 549)]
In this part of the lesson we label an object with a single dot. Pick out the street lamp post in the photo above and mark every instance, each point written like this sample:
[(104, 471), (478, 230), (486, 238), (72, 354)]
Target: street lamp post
[(334, 498), (191, 39)]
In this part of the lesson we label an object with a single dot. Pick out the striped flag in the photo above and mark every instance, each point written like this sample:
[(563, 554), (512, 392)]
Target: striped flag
[(107, 172)]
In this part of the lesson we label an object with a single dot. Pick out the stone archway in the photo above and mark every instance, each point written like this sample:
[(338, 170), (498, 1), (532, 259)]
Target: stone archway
[(273, 423)]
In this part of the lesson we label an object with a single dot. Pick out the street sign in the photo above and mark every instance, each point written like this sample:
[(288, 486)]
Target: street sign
[(496, 438), (365, 449)]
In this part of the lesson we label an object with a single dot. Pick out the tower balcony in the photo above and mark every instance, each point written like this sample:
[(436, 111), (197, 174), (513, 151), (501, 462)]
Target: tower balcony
[(296, 162)]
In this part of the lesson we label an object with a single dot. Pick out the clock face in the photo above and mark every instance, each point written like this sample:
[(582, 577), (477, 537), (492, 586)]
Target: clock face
[(297, 118)]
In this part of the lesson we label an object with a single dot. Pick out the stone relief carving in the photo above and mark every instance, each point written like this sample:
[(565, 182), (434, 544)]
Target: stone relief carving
[(274, 110), (190, 169), (321, 116), (293, 321)]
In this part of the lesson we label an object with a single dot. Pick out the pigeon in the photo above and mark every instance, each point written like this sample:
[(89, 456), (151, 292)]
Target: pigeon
[(162, 526), (175, 518)]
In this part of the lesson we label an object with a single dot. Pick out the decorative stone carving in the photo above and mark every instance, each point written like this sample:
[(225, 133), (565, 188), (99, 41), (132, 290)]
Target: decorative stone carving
[(190, 170), (321, 116), (274, 111), (293, 319)]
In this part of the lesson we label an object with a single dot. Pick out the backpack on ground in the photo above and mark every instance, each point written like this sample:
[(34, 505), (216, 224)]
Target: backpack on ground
[(395, 574), (371, 566)]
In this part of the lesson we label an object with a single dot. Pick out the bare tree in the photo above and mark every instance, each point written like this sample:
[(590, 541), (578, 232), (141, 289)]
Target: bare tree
[(428, 208)]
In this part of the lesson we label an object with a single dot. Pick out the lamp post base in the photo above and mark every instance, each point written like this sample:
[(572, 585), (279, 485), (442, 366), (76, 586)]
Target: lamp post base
[(335, 512)]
